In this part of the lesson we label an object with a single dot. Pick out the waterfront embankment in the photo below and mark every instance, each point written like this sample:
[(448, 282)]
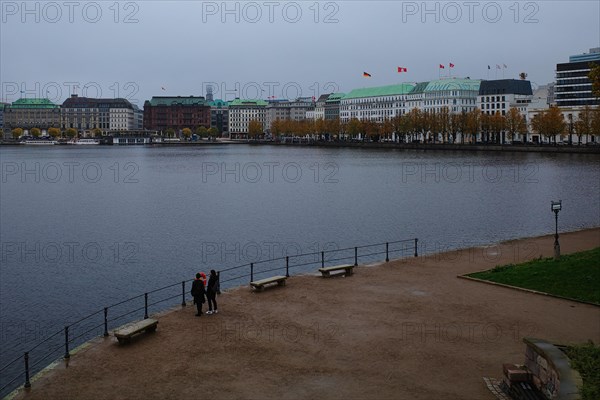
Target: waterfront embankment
[(406, 329)]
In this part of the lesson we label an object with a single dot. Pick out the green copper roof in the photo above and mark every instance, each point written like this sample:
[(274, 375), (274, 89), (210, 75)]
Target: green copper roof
[(245, 102), (335, 96), (453, 84), (419, 88), (177, 100), (34, 103), (218, 103), (390, 90)]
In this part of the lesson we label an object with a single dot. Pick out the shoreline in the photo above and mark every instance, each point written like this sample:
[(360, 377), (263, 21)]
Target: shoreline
[(493, 148), (393, 283)]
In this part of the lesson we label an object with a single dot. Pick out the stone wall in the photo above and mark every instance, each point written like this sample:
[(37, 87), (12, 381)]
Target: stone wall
[(551, 371)]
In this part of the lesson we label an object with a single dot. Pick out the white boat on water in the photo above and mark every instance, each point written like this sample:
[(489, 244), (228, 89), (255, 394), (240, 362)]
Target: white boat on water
[(83, 141), (39, 142)]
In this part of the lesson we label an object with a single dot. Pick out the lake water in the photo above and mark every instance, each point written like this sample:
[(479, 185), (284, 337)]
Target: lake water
[(85, 227)]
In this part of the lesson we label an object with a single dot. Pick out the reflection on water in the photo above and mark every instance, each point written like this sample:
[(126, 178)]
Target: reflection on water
[(82, 228)]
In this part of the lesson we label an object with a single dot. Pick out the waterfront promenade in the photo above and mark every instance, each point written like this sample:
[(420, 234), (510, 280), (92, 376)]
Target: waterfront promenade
[(407, 329)]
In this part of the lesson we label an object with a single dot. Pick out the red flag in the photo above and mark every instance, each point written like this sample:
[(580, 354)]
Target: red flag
[(402, 69), (451, 65), (442, 66), (366, 74)]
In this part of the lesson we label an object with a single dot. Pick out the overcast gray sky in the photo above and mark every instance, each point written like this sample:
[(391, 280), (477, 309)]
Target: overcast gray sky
[(140, 49)]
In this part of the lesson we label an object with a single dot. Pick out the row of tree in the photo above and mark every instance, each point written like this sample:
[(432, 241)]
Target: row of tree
[(201, 131), (36, 132), (440, 126)]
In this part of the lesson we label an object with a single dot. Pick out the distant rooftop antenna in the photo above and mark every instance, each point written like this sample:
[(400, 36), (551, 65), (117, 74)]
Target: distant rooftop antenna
[(209, 93)]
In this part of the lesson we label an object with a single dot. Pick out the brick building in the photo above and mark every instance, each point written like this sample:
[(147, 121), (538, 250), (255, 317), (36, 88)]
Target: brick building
[(162, 113)]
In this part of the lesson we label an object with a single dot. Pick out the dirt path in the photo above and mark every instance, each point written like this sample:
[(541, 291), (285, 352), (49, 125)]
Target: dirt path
[(402, 330)]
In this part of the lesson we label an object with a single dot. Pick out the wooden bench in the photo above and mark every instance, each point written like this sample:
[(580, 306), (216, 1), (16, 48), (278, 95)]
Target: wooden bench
[(259, 285), (125, 333), (326, 271)]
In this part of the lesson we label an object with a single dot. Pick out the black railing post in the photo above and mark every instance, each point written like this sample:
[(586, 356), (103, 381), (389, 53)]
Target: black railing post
[(416, 252), (26, 357), (287, 266), (67, 355), (182, 293), (355, 256), (145, 305), (322, 259), (387, 256), (251, 272), (105, 321)]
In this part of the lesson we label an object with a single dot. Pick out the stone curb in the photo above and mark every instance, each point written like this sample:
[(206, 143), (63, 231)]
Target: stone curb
[(527, 290)]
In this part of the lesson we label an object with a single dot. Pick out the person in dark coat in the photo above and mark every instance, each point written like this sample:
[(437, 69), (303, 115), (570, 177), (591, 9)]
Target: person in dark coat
[(198, 293), (211, 292)]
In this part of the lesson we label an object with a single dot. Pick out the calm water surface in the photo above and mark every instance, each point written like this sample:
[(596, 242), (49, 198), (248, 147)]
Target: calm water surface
[(82, 228)]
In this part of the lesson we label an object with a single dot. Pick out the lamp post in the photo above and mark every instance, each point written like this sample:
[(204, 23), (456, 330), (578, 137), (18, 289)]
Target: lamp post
[(556, 207)]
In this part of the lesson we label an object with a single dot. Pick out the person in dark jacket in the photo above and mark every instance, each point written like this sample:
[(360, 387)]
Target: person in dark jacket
[(198, 293), (211, 292)]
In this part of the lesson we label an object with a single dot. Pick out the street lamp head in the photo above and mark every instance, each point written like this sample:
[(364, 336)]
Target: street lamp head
[(556, 206)]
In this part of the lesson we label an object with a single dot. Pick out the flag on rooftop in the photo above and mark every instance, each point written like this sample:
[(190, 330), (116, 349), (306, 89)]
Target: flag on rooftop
[(497, 66), (366, 74), (163, 88), (402, 69), (505, 66), (489, 67), (451, 65), (442, 66)]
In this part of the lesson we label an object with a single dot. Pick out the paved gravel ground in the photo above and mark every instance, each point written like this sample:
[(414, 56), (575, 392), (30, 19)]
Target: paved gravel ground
[(407, 329)]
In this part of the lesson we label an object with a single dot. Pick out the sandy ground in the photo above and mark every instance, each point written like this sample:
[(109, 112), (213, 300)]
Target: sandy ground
[(407, 329)]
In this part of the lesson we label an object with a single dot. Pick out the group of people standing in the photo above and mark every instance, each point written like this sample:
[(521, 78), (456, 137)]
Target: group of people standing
[(200, 293)]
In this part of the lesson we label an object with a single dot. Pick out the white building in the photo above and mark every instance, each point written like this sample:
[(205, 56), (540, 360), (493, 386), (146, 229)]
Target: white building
[(319, 110), (375, 104), (458, 95), (241, 112), (503, 94)]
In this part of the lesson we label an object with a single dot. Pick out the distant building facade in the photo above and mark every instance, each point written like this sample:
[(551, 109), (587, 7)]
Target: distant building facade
[(2, 106), (138, 118), (219, 114), (294, 110), (573, 87), (457, 95), (31, 113), (242, 111), (319, 109), (375, 104), (332, 106), (163, 112), (503, 94), (86, 114), (276, 110)]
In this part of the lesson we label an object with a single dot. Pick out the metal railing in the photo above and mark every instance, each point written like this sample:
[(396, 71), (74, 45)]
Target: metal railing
[(97, 323)]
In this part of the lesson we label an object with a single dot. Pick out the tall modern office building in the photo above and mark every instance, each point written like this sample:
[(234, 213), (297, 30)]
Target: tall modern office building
[(573, 87)]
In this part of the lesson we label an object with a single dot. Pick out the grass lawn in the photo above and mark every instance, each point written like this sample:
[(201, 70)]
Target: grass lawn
[(586, 360), (576, 276)]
